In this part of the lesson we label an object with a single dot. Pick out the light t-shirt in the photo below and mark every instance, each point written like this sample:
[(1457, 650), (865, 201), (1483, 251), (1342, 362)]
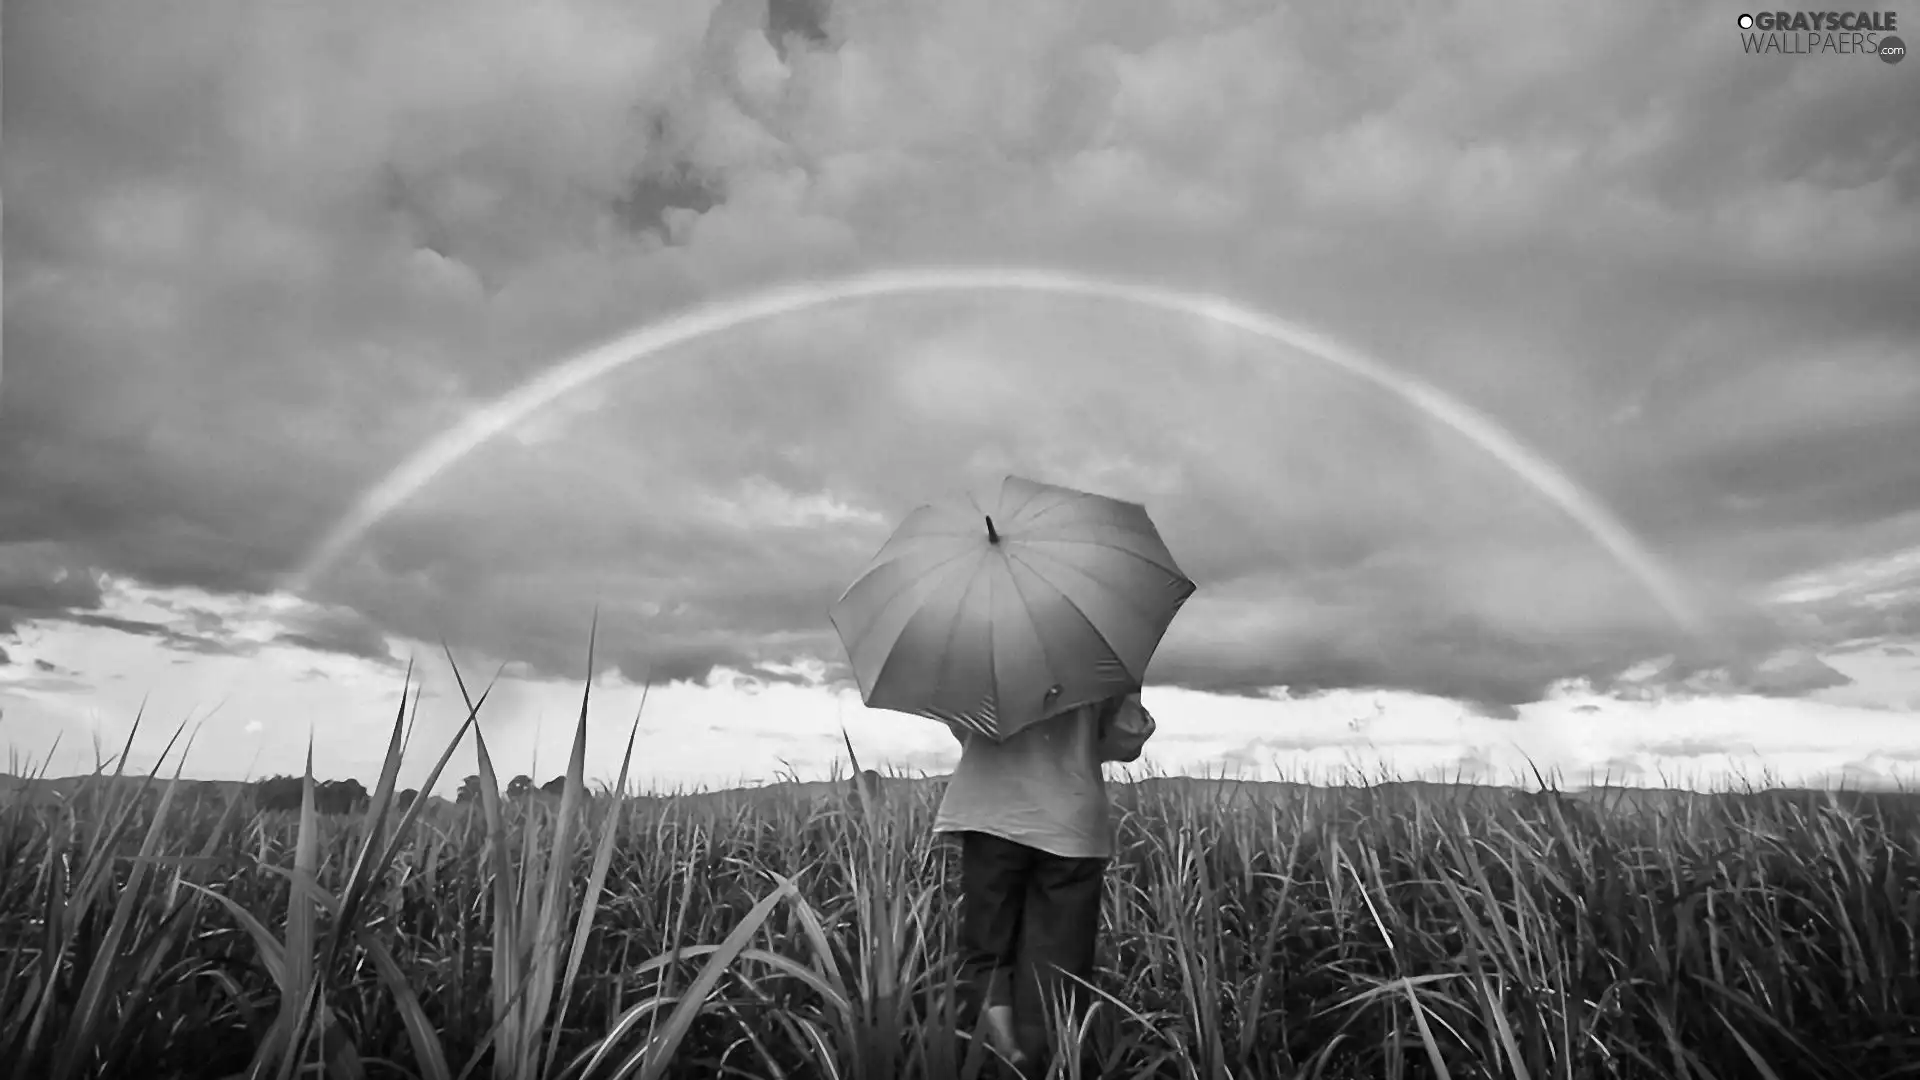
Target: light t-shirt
[(1044, 787)]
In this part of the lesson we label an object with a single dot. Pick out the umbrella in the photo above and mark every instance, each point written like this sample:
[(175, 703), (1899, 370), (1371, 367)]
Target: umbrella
[(996, 617)]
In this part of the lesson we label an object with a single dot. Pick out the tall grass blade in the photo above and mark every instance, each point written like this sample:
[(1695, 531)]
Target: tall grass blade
[(83, 1028)]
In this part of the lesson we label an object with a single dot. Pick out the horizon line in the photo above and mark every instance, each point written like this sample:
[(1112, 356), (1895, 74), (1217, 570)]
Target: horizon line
[(1120, 781)]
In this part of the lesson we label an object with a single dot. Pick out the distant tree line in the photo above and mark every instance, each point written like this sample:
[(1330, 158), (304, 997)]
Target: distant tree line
[(349, 796), (329, 796), (517, 788)]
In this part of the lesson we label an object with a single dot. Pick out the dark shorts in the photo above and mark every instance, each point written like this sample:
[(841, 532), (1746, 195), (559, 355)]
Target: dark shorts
[(1026, 917)]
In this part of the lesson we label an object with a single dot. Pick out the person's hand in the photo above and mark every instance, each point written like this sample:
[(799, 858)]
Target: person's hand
[(1133, 717), (1127, 732)]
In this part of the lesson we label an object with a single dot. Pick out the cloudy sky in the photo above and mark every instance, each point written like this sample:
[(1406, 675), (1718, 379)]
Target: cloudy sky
[(259, 254)]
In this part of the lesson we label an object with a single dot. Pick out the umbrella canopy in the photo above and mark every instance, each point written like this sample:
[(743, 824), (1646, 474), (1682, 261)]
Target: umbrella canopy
[(996, 616)]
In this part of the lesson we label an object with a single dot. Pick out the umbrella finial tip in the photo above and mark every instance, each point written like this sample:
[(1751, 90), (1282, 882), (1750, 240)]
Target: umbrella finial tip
[(993, 536)]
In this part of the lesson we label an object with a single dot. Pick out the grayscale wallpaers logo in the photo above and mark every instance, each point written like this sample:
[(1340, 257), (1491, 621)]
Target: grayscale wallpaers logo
[(1837, 33)]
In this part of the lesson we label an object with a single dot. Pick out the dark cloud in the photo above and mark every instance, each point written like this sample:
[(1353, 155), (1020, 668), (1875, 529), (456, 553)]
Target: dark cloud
[(247, 276), (39, 583), (1620, 769), (218, 644), (1688, 746), (39, 579), (364, 648), (343, 632), (4, 658), (1798, 676), (805, 20), (45, 682)]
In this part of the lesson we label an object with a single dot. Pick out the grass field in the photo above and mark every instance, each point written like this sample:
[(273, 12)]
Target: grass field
[(151, 930)]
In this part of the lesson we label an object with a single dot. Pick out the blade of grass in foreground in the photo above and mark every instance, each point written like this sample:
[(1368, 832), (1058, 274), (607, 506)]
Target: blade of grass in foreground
[(596, 881), (519, 937), (374, 822), (115, 806), (507, 986), (652, 1059), (359, 884), (279, 1050), (530, 912), (507, 938), (284, 1047), (83, 1028), (432, 1060), (544, 964)]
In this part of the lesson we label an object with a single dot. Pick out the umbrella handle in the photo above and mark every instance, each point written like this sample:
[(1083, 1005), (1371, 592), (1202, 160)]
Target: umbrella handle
[(993, 537)]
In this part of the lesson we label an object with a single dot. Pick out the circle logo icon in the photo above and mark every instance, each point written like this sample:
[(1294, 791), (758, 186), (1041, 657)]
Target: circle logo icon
[(1892, 50), (1746, 22)]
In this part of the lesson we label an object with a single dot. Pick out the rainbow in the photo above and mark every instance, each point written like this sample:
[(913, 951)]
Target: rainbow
[(445, 450)]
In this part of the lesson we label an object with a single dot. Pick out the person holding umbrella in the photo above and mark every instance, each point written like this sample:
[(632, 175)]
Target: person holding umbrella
[(1026, 629), (1032, 818)]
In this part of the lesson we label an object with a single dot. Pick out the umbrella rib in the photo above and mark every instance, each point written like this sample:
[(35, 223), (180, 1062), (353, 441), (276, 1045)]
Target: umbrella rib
[(1175, 571), (1078, 497), (1078, 610), (1027, 609), (892, 652), (953, 631), (1015, 511), (1124, 596), (908, 583)]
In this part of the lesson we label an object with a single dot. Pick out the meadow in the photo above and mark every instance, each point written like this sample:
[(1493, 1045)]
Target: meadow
[(149, 928)]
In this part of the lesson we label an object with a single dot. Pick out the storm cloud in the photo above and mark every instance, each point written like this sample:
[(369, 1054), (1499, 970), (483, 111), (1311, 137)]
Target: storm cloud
[(260, 253)]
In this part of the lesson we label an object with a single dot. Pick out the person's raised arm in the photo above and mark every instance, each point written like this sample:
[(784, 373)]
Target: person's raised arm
[(1125, 729)]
